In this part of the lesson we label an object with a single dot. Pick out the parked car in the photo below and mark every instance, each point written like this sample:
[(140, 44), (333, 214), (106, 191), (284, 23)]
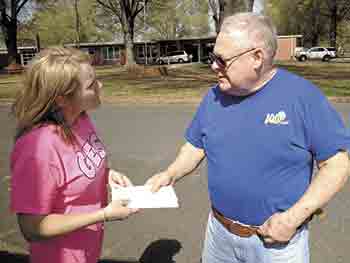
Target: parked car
[(175, 57), (321, 53)]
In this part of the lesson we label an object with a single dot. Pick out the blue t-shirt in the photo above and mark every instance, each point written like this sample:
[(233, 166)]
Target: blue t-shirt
[(260, 148)]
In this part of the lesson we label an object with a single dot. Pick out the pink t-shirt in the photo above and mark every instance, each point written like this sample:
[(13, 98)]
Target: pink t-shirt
[(49, 176)]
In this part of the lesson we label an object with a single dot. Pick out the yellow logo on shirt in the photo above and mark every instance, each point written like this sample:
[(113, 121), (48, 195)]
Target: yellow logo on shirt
[(276, 118)]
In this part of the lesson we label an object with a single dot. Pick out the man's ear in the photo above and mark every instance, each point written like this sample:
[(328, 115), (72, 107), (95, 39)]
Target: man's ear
[(258, 59)]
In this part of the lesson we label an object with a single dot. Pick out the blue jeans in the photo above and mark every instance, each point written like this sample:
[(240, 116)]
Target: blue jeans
[(220, 246)]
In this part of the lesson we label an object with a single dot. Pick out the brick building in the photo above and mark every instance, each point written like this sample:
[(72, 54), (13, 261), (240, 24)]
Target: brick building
[(112, 52), (105, 53)]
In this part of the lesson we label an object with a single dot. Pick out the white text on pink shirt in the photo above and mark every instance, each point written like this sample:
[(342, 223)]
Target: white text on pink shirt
[(91, 156)]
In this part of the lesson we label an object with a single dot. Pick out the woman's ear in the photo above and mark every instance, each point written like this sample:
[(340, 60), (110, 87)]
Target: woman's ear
[(60, 101)]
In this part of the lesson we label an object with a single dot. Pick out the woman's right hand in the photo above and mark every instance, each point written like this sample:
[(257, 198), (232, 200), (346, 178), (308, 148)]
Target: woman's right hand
[(118, 210)]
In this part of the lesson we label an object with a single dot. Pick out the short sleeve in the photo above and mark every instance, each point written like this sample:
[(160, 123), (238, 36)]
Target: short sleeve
[(33, 186), (194, 132), (325, 129)]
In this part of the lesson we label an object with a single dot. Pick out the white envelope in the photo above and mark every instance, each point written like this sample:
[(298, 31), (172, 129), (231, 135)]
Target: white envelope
[(142, 197)]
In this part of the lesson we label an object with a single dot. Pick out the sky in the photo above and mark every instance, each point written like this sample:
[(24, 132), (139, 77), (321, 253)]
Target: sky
[(258, 6)]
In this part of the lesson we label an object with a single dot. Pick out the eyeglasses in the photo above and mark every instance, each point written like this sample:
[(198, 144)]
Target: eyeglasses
[(221, 63)]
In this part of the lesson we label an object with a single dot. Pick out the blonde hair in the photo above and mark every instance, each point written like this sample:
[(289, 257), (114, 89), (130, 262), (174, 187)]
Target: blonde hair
[(54, 72)]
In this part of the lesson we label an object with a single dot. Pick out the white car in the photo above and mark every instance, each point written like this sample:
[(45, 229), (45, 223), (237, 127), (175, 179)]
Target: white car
[(175, 57), (321, 53)]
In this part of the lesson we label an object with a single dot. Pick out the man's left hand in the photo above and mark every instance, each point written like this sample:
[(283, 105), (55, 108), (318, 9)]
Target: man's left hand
[(279, 228)]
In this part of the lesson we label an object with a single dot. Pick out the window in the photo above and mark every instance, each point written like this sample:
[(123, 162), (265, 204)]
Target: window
[(176, 53), (91, 51), (27, 56), (299, 42), (140, 51), (316, 49), (110, 53)]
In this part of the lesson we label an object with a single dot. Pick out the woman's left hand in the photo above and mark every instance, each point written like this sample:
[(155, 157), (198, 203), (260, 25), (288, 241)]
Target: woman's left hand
[(116, 179)]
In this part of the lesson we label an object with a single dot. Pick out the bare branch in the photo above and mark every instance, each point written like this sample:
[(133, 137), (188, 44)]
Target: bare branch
[(100, 2), (138, 10), (111, 7), (19, 6)]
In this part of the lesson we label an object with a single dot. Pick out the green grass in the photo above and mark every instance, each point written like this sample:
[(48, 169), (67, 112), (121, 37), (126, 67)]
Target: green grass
[(9, 85), (332, 78), (190, 82)]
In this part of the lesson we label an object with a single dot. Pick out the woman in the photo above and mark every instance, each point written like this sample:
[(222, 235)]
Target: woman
[(59, 170)]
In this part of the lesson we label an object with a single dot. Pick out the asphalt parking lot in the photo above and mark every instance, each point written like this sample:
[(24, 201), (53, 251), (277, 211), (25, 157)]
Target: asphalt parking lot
[(141, 141)]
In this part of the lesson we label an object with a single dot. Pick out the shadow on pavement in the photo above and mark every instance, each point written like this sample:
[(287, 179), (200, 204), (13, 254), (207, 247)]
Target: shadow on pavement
[(160, 251), (116, 261), (6, 257)]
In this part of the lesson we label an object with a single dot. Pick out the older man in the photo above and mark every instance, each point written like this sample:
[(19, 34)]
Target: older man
[(260, 128)]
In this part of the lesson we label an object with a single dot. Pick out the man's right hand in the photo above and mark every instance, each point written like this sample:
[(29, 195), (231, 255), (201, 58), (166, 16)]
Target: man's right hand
[(159, 180), (186, 161)]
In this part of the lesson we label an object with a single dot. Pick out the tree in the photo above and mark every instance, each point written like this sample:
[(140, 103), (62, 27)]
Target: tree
[(126, 12), (176, 19), (56, 23), (319, 21), (162, 20), (337, 11), (9, 12), (299, 17), (193, 17), (258, 6), (77, 20), (249, 5), (217, 7), (224, 8), (313, 27)]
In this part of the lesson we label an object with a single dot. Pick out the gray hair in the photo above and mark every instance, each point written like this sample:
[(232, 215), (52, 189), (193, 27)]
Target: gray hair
[(254, 30)]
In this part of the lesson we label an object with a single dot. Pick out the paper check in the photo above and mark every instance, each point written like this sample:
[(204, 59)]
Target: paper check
[(142, 197)]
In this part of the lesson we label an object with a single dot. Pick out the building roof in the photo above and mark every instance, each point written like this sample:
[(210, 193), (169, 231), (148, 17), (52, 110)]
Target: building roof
[(290, 36), (3, 50), (115, 43)]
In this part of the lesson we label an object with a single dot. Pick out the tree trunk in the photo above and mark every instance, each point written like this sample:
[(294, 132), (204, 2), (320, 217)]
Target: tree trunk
[(333, 24), (217, 26), (313, 27), (221, 15), (128, 30), (11, 43), (229, 7), (249, 5), (9, 30), (38, 46), (214, 6), (129, 48), (77, 22), (314, 34), (217, 7)]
